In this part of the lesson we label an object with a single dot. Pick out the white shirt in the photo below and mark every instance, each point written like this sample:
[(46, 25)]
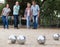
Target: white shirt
[(16, 10), (35, 9)]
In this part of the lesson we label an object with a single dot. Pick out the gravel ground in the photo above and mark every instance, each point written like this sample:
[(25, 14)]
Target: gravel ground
[(31, 37)]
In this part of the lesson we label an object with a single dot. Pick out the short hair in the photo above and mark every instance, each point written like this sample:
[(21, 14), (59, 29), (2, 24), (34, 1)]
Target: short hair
[(28, 3), (33, 1), (17, 1)]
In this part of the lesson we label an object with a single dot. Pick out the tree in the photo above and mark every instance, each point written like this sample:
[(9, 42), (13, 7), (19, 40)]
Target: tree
[(48, 16), (47, 12)]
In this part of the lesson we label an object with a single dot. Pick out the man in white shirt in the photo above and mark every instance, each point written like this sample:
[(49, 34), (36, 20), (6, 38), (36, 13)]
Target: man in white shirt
[(16, 9), (35, 13)]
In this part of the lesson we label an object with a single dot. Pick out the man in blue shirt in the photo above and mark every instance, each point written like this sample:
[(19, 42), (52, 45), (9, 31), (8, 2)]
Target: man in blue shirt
[(35, 13), (16, 9)]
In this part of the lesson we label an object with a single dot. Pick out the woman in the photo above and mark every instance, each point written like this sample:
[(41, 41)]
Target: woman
[(28, 15), (5, 12)]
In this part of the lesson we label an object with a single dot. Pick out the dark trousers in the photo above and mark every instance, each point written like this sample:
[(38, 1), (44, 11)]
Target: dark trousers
[(35, 22), (5, 21), (16, 21)]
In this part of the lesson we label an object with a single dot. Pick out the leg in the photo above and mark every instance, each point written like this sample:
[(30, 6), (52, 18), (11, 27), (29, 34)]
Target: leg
[(3, 19), (17, 21), (28, 22), (7, 23), (34, 22), (14, 21)]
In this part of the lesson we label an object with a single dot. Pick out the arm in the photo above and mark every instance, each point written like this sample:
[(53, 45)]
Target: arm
[(25, 13), (13, 8), (31, 11), (38, 11), (19, 8), (2, 11), (9, 11), (31, 14)]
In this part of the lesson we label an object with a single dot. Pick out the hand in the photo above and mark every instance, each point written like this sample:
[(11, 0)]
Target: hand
[(24, 16), (6, 17), (38, 15)]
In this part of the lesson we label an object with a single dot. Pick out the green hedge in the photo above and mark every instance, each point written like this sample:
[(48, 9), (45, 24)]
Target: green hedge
[(1, 7), (47, 7)]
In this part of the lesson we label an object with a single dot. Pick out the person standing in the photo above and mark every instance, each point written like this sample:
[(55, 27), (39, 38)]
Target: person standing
[(28, 15), (16, 9), (5, 12), (35, 13)]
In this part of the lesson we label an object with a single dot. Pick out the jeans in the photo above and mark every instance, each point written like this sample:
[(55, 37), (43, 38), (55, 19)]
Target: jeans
[(28, 21), (35, 22), (5, 21), (16, 21)]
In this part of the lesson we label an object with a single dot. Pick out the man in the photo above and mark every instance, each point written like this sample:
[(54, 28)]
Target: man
[(35, 13), (16, 9), (5, 12)]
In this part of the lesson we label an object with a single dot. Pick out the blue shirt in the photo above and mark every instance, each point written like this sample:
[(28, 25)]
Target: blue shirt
[(16, 10), (35, 9)]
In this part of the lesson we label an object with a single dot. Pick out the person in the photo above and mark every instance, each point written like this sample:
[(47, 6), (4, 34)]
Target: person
[(16, 9), (28, 14), (35, 13), (5, 12)]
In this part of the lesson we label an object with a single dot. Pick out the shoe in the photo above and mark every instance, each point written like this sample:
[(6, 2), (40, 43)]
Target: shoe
[(34, 28)]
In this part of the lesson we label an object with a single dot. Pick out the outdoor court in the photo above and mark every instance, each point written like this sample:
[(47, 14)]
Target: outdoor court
[(31, 37)]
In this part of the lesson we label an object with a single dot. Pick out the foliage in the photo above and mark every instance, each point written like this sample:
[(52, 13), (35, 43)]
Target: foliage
[(48, 16), (1, 7), (47, 7)]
